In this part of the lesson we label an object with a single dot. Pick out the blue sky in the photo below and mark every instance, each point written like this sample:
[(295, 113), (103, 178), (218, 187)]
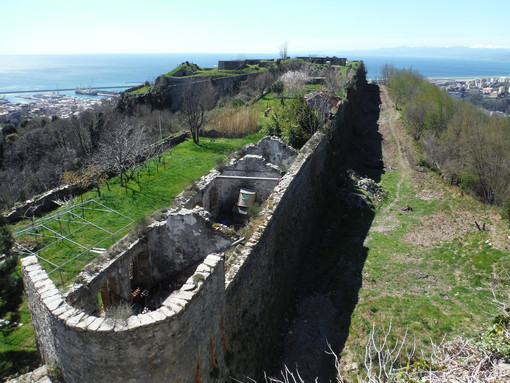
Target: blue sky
[(244, 26)]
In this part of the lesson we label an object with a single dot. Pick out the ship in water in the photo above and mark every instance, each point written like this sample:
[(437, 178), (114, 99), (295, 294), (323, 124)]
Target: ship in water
[(86, 91)]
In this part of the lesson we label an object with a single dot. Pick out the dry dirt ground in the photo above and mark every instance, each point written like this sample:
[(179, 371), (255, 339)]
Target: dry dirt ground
[(315, 321)]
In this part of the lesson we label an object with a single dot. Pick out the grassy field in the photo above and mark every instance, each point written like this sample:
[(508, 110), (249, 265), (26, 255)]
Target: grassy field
[(427, 270), (155, 187)]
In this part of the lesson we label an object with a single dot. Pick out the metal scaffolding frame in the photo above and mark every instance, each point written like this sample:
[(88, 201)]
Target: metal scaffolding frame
[(69, 216)]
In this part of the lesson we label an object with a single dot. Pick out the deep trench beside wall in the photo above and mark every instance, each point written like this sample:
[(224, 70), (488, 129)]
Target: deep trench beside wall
[(260, 290)]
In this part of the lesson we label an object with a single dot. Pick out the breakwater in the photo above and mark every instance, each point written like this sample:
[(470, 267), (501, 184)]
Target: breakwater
[(65, 89)]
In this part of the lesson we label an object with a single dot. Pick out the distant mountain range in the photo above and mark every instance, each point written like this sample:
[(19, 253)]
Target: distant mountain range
[(502, 54)]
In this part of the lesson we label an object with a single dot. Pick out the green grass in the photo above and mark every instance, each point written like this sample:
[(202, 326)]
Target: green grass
[(442, 288), (215, 72), (18, 352), (142, 90)]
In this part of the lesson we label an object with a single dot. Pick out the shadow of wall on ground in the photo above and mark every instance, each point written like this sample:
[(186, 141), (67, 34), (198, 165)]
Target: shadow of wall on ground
[(327, 292)]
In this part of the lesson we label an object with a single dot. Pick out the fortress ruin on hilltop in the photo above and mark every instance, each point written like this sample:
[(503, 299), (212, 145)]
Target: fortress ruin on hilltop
[(216, 302)]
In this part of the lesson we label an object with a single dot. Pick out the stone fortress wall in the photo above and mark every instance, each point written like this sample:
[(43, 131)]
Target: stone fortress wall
[(219, 323)]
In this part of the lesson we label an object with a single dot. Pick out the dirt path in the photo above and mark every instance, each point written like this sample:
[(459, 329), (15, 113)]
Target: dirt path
[(387, 127), (394, 157)]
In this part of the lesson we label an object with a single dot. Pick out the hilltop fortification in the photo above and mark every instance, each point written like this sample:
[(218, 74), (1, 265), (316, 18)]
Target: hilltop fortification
[(221, 302)]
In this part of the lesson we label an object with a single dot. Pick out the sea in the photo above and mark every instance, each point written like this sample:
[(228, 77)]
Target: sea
[(36, 73)]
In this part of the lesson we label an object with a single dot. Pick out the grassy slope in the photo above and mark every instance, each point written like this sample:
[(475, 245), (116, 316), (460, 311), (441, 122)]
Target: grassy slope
[(428, 271)]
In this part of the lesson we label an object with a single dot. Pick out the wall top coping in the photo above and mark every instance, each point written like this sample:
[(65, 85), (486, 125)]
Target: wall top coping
[(55, 303)]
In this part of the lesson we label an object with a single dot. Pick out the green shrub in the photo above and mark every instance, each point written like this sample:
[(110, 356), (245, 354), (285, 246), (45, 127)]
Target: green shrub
[(237, 102), (294, 123), (278, 87), (197, 278), (54, 372), (496, 338), (141, 226)]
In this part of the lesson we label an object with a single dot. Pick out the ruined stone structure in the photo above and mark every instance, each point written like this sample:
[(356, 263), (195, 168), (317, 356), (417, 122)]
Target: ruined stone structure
[(323, 60), (241, 64), (219, 322)]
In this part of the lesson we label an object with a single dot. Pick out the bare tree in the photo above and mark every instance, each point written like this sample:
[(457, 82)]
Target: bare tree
[(122, 146), (284, 50), (262, 82), (295, 81), (197, 98), (388, 71), (333, 81)]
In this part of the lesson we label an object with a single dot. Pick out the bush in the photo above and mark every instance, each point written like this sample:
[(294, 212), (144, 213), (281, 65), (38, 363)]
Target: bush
[(294, 123), (237, 103), (121, 312), (141, 227), (278, 87)]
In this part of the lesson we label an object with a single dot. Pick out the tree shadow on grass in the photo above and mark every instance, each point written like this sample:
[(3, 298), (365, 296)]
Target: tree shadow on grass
[(18, 362), (328, 289)]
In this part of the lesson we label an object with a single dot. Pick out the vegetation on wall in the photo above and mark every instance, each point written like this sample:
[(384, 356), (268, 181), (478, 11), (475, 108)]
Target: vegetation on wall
[(295, 123)]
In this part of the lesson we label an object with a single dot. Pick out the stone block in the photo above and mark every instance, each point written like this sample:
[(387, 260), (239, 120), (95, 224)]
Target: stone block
[(157, 315), (212, 262), (145, 319), (184, 295), (96, 324), (74, 320), (120, 325), (173, 306), (85, 322), (106, 326), (60, 310), (30, 260), (33, 267), (44, 285), (49, 293), (68, 313), (188, 287), (133, 322), (203, 269), (38, 276), (53, 302), (166, 311)]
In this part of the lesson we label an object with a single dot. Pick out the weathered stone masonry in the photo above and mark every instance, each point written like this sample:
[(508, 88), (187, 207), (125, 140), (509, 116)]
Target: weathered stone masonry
[(218, 324)]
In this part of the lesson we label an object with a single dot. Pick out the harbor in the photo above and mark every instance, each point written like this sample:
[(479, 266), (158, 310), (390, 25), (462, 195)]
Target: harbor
[(49, 105), (68, 89)]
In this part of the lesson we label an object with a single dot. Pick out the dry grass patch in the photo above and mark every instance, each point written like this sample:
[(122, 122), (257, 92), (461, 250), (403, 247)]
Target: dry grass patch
[(234, 122)]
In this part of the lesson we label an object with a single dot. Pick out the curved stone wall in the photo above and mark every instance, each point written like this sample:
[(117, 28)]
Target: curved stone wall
[(180, 340)]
